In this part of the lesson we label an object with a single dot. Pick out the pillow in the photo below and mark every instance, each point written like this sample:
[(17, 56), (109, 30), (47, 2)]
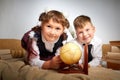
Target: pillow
[(4, 51), (115, 49), (17, 53), (113, 55), (5, 54)]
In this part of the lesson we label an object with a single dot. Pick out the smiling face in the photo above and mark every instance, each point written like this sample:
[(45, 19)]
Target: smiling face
[(85, 34), (52, 30)]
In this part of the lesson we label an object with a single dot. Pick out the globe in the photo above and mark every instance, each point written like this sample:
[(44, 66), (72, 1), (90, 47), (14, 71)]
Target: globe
[(70, 53)]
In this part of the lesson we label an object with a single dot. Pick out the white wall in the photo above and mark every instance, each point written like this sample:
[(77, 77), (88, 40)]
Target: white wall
[(18, 16)]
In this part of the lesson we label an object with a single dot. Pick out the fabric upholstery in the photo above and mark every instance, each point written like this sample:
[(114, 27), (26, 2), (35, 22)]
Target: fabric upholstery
[(15, 68), (14, 45)]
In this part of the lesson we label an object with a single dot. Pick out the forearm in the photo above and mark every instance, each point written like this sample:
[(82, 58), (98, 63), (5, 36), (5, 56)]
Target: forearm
[(46, 65), (36, 62), (54, 63)]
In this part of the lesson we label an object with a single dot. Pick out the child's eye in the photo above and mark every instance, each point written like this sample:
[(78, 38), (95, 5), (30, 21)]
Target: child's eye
[(87, 29), (48, 26), (80, 32), (58, 28)]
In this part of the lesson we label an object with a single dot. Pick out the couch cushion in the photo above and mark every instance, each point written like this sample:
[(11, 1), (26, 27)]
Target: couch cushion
[(10, 44), (105, 48), (115, 49), (113, 55), (18, 53), (4, 51), (5, 54)]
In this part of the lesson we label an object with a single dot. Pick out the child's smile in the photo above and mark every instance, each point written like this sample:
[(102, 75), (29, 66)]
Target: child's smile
[(52, 30), (85, 34)]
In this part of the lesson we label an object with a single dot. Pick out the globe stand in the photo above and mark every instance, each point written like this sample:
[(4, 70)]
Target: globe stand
[(75, 68)]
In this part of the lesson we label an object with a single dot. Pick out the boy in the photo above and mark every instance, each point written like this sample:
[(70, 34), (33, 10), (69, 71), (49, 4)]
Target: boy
[(85, 35)]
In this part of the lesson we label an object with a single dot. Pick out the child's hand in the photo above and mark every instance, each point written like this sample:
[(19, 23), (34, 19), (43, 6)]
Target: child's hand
[(55, 62), (81, 66), (88, 65)]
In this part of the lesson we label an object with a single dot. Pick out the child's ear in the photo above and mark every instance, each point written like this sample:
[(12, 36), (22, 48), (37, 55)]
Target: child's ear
[(94, 28)]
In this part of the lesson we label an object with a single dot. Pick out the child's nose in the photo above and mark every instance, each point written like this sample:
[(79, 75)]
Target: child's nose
[(53, 32), (84, 33)]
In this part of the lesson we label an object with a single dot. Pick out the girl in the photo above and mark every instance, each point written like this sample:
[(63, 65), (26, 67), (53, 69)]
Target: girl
[(43, 42)]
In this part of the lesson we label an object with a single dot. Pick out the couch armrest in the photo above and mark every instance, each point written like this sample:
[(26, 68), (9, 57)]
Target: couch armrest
[(105, 48)]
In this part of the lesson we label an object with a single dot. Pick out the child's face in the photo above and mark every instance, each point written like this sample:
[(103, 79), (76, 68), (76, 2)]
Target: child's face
[(85, 34), (52, 30)]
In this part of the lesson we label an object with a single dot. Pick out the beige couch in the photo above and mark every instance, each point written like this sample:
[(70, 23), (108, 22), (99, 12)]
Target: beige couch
[(12, 46), (111, 54), (13, 67)]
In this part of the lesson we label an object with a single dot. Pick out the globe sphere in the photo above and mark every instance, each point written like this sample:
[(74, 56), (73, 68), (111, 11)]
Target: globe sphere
[(70, 53)]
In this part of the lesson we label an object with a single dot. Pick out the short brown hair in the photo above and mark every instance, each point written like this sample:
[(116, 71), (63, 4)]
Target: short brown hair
[(81, 21)]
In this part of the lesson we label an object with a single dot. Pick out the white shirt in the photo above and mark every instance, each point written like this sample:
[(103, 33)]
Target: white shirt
[(96, 51), (49, 46)]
